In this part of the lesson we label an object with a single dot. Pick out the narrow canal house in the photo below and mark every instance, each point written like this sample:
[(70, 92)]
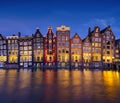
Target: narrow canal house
[(12, 51), (87, 52), (108, 47), (26, 52), (3, 51), (117, 54), (38, 47), (96, 53), (63, 47), (50, 54), (76, 51)]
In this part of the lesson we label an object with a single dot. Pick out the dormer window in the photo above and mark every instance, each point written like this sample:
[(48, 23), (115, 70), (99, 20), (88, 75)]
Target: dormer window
[(108, 33)]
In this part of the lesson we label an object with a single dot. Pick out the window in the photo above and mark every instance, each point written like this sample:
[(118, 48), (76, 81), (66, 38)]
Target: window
[(59, 38), (108, 52), (67, 38), (67, 44), (108, 47), (117, 51), (63, 51), (108, 33), (99, 39), (63, 58), (59, 51), (63, 38), (25, 43), (96, 39), (96, 44)]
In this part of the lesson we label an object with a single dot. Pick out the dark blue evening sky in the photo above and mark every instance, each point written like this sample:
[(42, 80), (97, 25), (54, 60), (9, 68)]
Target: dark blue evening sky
[(25, 15)]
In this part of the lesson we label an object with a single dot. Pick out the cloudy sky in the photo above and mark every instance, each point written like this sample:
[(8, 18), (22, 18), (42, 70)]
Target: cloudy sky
[(25, 15)]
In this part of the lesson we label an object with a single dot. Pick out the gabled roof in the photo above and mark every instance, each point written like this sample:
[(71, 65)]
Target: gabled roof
[(91, 32), (2, 36), (86, 39), (102, 31), (50, 31), (37, 32), (76, 34)]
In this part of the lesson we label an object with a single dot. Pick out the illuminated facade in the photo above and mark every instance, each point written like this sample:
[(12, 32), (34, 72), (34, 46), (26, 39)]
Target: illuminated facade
[(3, 52), (76, 51), (117, 53), (117, 50), (38, 47), (98, 50), (26, 52), (50, 55), (96, 53), (108, 47), (87, 52), (12, 50), (63, 46)]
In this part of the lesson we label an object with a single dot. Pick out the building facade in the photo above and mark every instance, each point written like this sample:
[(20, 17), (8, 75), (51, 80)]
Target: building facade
[(38, 49), (26, 52), (76, 51), (12, 51), (98, 50), (63, 47), (50, 54), (117, 54), (108, 47), (87, 52), (96, 53), (3, 51)]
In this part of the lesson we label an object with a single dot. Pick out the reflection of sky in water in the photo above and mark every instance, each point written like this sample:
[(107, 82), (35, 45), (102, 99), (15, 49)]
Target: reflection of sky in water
[(61, 86)]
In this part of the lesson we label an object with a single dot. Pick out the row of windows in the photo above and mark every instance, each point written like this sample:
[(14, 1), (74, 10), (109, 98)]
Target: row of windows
[(26, 59), (96, 39), (3, 47), (12, 41), (26, 43), (38, 40), (76, 46), (96, 50), (2, 42), (86, 49), (25, 52), (76, 52), (13, 53), (26, 48), (86, 44), (76, 40), (64, 44), (38, 51), (3, 52), (63, 38), (63, 51), (63, 32)]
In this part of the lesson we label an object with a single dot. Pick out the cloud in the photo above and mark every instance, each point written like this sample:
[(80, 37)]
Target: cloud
[(100, 22)]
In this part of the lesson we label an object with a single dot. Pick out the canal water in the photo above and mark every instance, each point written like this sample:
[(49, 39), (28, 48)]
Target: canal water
[(62, 86)]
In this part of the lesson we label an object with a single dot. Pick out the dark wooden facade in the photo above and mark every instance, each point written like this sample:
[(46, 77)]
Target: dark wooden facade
[(3, 51), (38, 49)]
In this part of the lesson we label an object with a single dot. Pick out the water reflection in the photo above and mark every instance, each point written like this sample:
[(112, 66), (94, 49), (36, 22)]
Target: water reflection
[(63, 86)]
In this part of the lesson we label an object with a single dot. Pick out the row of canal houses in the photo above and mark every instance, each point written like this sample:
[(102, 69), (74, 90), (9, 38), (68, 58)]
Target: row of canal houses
[(99, 49)]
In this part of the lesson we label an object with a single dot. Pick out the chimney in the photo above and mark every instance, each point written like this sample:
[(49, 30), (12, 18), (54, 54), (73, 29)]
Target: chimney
[(19, 34)]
